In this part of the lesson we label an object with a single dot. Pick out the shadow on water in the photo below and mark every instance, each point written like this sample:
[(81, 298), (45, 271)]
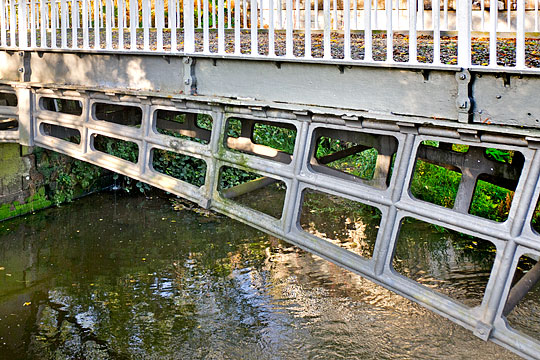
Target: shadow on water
[(118, 277)]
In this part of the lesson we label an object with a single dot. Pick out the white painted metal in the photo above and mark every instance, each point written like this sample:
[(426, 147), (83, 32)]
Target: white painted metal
[(160, 23), (347, 29), (3, 24), (133, 23), (63, 23), (213, 14), (206, 32), (74, 22), (334, 22), (146, 24), (43, 26), (189, 28), (86, 36), (173, 14), (199, 14), (493, 16), (245, 12), (297, 14), (23, 33), (33, 23), (413, 57), (307, 30), (436, 20), (237, 26), (289, 31), (271, 33), (121, 23), (520, 35), (108, 25), (229, 14), (327, 28), (97, 29), (254, 32), (316, 9), (280, 15), (445, 11), (389, 32), (368, 36), (221, 28), (464, 33)]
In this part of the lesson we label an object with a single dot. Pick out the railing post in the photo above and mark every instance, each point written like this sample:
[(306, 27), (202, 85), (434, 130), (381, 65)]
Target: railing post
[(189, 32), (464, 32), (23, 35)]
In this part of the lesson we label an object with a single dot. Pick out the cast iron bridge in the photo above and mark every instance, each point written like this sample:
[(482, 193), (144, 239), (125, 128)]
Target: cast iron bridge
[(393, 77)]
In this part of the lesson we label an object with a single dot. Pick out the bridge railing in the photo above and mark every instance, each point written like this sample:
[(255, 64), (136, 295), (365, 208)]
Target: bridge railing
[(431, 32)]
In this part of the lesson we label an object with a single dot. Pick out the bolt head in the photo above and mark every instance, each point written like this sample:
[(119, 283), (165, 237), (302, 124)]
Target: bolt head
[(21, 70), (187, 81), (462, 76)]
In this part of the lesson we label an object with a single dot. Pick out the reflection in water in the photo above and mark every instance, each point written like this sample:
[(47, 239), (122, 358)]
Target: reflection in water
[(122, 278)]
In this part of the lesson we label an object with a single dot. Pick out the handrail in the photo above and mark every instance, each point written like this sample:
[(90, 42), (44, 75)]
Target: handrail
[(353, 30)]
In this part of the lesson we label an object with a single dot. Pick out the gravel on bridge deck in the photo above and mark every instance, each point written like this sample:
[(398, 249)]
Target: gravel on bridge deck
[(506, 48)]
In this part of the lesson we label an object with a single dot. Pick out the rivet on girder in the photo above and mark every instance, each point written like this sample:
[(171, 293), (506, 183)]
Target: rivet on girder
[(463, 100)]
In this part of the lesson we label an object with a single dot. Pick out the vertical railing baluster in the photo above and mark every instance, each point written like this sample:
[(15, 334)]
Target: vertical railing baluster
[(316, 10), (297, 15), (389, 32), (44, 23), (206, 40), (23, 40), (289, 29), (279, 15), (445, 14), (464, 33), (307, 29), (229, 14), (397, 27), (172, 24), (63, 23), (53, 24), (436, 20), (3, 33), (108, 28), (520, 35), (271, 34), (536, 15), (237, 26), (146, 24), (355, 14), (482, 19), (97, 26), (261, 14), (121, 24), (375, 14), (334, 22), (12, 23), (160, 23), (199, 15), (421, 14), (254, 34), (221, 28), (245, 13), (189, 27), (327, 52), (368, 36), (74, 21), (413, 58), (133, 23), (347, 29), (86, 42), (33, 23), (509, 15)]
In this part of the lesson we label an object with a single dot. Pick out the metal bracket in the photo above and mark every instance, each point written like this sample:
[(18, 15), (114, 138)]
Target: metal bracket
[(190, 83), (463, 100), (483, 331), (24, 66)]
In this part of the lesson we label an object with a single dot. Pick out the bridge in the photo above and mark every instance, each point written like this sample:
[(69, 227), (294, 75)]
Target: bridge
[(438, 82)]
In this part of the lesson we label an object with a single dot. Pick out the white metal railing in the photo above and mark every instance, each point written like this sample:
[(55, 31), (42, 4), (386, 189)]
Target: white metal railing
[(369, 31)]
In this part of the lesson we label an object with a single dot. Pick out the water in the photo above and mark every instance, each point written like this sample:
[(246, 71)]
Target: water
[(118, 277)]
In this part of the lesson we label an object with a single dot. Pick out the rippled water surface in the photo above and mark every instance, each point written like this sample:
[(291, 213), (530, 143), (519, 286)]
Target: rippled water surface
[(118, 277)]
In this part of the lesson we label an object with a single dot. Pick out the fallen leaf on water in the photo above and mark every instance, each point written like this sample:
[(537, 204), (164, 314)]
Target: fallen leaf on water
[(27, 303), (2, 268)]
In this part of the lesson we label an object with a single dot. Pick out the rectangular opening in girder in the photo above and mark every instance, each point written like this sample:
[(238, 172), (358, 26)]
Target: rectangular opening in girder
[(346, 223), (8, 99), (61, 132), (354, 156), (469, 179), (258, 192), (184, 125), (118, 114), (266, 139), (181, 167), (449, 262), (125, 150), (60, 105)]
